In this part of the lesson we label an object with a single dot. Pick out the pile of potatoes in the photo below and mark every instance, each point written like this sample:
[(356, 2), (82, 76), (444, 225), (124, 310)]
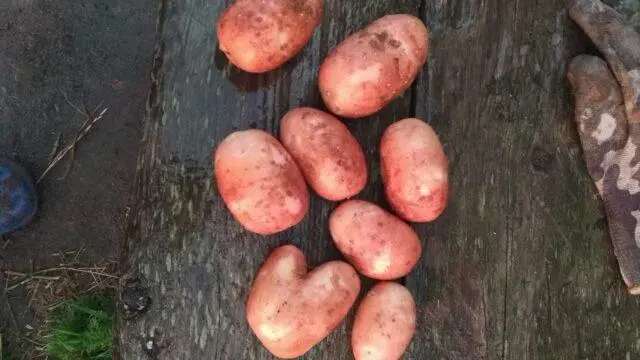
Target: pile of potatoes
[(264, 180)]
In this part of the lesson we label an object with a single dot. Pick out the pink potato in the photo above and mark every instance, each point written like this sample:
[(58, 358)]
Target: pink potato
[(329, 156), (260, 182), (377, 243), (385, 323), (290, 310), (260, 35), (373, 66), (414, 170)]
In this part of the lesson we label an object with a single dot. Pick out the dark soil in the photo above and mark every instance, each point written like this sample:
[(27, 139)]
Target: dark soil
[(92, 51)]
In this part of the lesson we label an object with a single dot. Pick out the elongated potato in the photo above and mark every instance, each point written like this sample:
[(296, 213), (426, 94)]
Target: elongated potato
[(261, 35), (290, 310), (414, 170), (260, 182), (329, 156), (377, 243), (385, 323), (374, 66)]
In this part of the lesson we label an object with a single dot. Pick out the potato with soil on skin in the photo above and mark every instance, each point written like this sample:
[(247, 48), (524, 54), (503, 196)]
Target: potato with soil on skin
[(261, 35), (374, 66), (260, 182), (329, 156), (377, 243), (385, 323), (414, 170), (290, 310)]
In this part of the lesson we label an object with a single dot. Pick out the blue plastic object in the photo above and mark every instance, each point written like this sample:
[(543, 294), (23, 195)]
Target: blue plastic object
[(18, 199)]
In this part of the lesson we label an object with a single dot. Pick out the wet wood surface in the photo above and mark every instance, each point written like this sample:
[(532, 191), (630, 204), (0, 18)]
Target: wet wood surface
[(520, 265)]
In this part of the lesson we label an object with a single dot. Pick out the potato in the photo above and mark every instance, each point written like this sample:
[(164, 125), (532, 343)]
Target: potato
[(385, 323), (290, 310), (260, 182), (330, 157), (377, 243), (374, 66), (414, 170), (261, 35)]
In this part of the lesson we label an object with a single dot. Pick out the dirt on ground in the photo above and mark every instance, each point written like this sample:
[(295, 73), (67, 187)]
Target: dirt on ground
[(56, 56)]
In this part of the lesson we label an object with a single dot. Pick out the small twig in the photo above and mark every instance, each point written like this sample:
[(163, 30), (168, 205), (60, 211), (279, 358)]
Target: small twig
[(56, 146), (37, 277), (33, 295), (80, 270), (74, 144), (82, 133), (18, 284), (90, 271), (76, 138), (75, 259), (82, 112), (33, 341), (55, 306)]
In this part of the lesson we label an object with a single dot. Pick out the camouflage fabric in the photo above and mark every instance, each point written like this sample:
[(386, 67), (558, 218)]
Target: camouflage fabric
[(607, 112)]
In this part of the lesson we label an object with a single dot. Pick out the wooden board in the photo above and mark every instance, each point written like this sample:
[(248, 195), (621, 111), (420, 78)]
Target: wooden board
[(519, 266)]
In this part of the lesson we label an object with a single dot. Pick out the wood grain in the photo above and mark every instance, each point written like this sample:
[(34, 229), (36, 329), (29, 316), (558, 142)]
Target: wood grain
[(518, 267)]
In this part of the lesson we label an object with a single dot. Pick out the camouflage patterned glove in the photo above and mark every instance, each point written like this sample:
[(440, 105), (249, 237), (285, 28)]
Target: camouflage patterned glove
[(607, 100)]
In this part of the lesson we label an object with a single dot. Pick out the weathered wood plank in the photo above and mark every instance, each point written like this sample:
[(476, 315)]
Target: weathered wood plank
[(520, 266), (196, 261)]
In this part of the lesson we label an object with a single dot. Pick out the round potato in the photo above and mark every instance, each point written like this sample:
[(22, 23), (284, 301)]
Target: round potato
[(385, 323), (260, 35), (260, 182), (377, 243), (414, 170), (290, 310), (374, 66), (329, 156)]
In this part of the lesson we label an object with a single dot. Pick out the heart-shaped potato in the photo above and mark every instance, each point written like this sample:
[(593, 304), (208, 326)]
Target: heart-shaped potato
[(290, 310)]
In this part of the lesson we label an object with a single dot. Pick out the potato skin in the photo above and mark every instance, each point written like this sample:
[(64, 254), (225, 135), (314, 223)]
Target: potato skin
[(290, 310), (414, 170), (259, 182), (385, 323), (329, 156), (261, 35), (377, 243), (374, 66)]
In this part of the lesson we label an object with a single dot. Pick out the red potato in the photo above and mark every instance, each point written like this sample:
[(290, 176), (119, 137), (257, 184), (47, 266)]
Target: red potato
[(385, 323), (377, 243), (260, 182), (374, 66), (261, 35), (290, 310), (414, 170), (329, 156)]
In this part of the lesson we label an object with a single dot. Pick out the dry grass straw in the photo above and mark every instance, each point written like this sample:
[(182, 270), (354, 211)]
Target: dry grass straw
[(91, 118), (47, 289)]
